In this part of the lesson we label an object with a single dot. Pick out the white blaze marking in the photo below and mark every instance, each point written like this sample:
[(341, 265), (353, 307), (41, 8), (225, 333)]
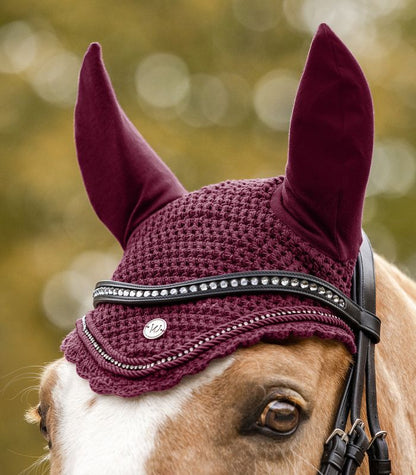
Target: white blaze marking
[(115, 435)]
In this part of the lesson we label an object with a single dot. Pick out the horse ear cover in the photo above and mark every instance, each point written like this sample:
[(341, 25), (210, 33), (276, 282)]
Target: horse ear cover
[(308, 221), (125, 179), (330, 150)]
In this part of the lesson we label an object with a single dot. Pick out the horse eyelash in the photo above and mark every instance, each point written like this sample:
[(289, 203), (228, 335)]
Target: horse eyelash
[(32, 415)]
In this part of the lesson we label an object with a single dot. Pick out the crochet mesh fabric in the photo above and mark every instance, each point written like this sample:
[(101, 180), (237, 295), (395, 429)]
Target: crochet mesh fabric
[(222, 228)]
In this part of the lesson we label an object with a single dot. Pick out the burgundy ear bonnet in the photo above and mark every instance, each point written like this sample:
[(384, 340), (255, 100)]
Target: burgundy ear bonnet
[(308, 221)]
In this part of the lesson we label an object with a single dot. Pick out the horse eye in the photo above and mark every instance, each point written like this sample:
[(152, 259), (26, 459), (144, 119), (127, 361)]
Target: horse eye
[(42, 424), (280, 416)]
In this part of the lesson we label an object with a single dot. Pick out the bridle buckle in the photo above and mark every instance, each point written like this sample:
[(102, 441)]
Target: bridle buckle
[(382, 434), (357, 423), (343, 435)]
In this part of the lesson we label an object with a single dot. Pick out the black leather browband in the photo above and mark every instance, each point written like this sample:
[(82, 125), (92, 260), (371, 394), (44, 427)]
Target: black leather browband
[(270, 281)]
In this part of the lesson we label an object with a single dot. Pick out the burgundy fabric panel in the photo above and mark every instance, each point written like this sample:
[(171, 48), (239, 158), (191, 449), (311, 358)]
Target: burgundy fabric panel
[(330, 150), (125, 179)]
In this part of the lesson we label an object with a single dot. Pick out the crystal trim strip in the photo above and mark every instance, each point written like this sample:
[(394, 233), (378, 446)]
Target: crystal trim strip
[(130, 294), (298, 283), (231, 329)]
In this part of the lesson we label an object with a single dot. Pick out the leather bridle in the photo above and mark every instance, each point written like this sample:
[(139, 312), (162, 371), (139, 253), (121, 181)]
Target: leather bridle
[(344, 451)]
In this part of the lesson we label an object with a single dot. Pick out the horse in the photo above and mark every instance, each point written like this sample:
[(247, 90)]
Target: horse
[(208, 353)]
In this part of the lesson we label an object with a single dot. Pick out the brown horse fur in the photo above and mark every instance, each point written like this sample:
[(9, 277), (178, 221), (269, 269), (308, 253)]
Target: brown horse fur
[(50, 413), (205, 436)]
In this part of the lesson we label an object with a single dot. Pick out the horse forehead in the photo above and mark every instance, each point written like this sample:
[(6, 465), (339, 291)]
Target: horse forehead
[(94, 431)]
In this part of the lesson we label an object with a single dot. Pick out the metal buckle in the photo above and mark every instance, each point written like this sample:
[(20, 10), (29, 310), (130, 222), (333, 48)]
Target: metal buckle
[(344, 436), (357, 423), (382, 434)]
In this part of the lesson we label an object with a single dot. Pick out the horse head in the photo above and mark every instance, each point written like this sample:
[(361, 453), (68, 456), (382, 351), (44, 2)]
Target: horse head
[(208, 351)]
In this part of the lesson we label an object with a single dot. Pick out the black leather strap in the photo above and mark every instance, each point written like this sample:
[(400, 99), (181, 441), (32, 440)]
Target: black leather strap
[(362, 373), (335, 450), (357, 447), (378, 452), (357, 317), (380, 467)]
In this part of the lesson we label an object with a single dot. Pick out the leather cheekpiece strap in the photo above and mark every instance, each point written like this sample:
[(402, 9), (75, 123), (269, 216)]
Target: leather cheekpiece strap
[(362, 373)]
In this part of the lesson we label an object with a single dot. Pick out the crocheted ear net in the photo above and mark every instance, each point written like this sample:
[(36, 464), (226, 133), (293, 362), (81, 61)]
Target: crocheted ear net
[(307, 222)]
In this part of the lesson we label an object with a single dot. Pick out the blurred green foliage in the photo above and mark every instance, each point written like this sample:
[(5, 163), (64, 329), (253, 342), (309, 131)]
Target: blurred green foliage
[(46, 219)]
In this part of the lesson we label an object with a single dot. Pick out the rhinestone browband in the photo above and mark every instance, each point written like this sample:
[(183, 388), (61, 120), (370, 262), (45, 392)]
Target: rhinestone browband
[(356, 317)]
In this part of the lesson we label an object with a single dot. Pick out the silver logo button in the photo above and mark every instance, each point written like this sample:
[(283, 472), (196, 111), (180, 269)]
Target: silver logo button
[(155, 328)]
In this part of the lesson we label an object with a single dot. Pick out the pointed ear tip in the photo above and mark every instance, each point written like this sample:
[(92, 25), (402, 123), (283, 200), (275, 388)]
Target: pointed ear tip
[(93, 51), (323, 27), (324, 31), (94, 47), (92, 60)]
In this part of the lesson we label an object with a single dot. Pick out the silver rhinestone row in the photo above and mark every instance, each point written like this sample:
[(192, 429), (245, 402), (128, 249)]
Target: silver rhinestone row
[(287, 282), (185, 352)]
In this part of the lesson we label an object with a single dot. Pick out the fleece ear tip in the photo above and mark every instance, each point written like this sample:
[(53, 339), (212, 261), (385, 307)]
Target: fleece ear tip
[(324, 32), (92, 60), (94, 49), (323, 27)]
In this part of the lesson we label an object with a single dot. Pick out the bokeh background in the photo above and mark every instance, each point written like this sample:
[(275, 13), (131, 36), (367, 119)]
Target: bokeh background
[(210, 84)]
